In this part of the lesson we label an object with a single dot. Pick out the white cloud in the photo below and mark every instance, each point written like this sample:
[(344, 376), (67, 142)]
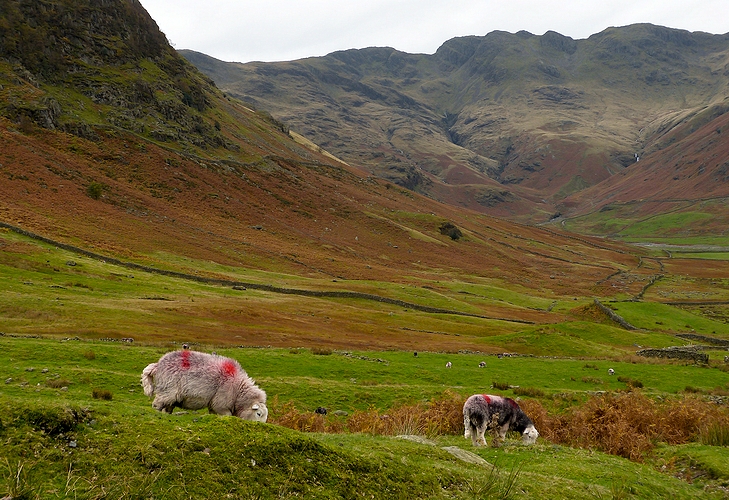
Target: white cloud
[(278, 30)]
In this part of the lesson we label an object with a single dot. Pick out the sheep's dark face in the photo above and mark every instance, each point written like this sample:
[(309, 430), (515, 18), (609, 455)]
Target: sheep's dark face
[(258, 412)]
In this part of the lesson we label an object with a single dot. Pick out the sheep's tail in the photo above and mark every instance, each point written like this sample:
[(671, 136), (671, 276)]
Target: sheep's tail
[(148, 379)]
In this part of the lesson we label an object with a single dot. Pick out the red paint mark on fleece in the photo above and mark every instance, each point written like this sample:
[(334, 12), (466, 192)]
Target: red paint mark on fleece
[(487, 398), (512, 402), (185, 359), (229, 368)]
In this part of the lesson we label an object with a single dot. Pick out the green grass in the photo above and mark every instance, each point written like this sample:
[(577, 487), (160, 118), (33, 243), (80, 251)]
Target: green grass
[(341, 381), (664, 224), (652, 316), (68, 387), (66, 443), (700, 227)]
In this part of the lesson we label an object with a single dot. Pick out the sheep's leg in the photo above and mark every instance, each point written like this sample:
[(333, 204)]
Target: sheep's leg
[(503, 430), (162, 404), (477, 436), (467, 425), (500, 435)]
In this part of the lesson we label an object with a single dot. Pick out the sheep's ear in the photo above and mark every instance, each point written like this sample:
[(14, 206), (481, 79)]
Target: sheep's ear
[(255, 406)]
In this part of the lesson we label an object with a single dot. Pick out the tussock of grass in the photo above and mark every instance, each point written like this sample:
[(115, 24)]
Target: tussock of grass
[(104, 394), (630, 382), (715, 434), (53, 421), (57, 383), (593, 380), (500, 385), (531, 392)]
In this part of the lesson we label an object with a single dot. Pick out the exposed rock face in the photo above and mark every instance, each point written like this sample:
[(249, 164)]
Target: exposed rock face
[(107, 32), (113, 54)]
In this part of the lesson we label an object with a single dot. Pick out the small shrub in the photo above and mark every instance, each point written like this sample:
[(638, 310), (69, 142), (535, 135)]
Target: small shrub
[(588, 365), (502, 386), (57, 383), (101, 394), (321, 351), (287, 415), (720, 391), (89, 355), (531, 392), (592, 380), (716, 434), (630, 382), (451, 230), (440, 416), (26, 125), (692, 390), (95, 190)]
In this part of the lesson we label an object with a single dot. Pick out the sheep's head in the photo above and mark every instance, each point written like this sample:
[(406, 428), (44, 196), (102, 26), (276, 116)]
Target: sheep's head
[(257, 412), (530, 435)]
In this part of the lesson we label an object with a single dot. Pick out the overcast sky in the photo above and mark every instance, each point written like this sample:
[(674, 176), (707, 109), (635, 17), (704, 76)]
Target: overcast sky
[(283, 30)]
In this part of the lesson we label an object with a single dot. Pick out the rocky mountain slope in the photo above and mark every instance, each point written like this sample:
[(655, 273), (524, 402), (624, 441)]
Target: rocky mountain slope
[(507, 124), (111, 141)]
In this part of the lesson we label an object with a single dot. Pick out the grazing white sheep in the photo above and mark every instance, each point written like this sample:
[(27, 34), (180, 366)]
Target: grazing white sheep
[(448, 364), (611, 371), (482, 364), (482, 411), (195, 380)]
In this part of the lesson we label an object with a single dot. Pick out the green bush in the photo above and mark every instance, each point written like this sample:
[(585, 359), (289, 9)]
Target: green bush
[(102, 394), (95, 190), (502, 386)]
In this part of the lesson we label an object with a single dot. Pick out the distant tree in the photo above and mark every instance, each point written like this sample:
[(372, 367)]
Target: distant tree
[(450, 229), (95, 190)]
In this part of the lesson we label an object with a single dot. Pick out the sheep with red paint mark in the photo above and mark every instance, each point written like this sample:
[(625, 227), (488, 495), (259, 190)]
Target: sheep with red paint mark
[(194, 380), (482, 412)]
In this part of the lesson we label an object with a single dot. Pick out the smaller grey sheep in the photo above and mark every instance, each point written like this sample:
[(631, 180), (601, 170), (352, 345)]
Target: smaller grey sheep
[(480, 411)]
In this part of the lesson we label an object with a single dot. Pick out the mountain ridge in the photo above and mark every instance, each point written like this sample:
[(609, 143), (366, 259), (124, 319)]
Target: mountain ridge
[(507, 124)]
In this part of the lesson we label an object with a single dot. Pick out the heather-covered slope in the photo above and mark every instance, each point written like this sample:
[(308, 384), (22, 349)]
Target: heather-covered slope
[(507, 124), (141, 155), (145, 161), (679, 191)]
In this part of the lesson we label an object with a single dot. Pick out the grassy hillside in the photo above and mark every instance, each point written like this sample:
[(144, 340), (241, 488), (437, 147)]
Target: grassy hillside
[(675, 195), (75, 423), (142, 208), (173, 297)]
